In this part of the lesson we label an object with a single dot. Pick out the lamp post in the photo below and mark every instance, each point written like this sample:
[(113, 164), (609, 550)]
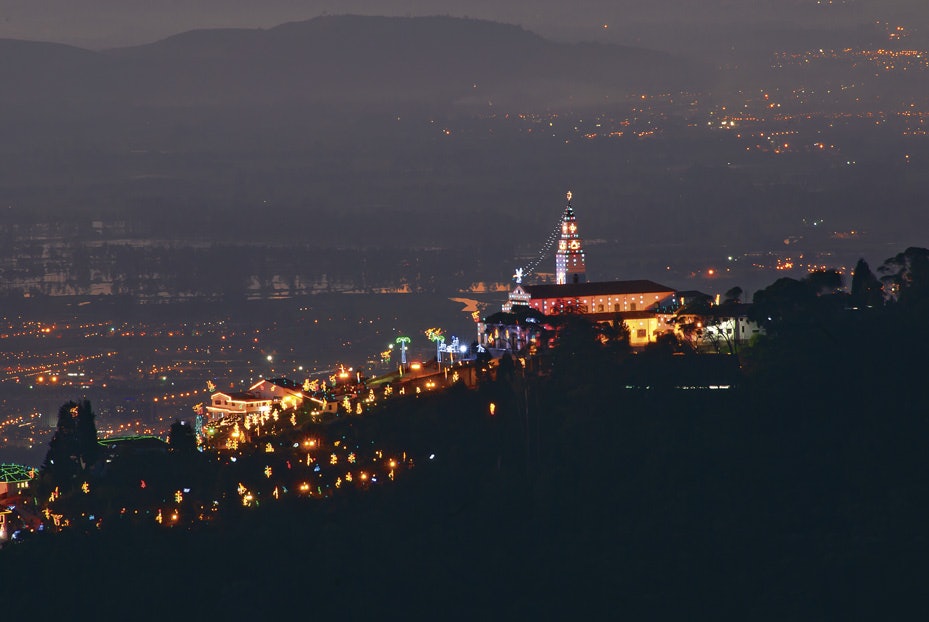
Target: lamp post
[(403, 341), (439, 342), (435, 334)]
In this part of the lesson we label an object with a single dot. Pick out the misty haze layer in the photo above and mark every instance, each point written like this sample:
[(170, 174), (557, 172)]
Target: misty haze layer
[(669, 23)]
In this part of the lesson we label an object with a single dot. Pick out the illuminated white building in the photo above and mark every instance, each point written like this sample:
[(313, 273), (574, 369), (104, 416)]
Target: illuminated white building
[(281, 391), (236, 405), (636, 303)]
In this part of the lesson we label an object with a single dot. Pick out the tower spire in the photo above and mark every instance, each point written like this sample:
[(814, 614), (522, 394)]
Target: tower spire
[(570, 266)]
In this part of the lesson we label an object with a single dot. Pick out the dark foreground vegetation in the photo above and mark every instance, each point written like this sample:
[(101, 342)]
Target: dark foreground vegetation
[(800, 493)]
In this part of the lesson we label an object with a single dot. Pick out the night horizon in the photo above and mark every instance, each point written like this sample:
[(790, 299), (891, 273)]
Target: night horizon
[(473, 310)]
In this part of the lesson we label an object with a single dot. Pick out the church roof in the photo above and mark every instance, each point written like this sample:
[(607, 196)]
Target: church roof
[(284, 383), (602, 288), (10, 473), (241, 396)]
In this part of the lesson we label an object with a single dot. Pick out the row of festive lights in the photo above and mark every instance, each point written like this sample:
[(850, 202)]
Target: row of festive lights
[(543, 252)]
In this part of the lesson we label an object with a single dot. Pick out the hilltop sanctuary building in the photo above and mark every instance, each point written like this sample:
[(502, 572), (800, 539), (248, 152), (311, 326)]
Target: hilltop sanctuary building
[(644, 306)]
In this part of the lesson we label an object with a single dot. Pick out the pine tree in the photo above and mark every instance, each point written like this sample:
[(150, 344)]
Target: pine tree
[(74, 446), (86, 434), (61, 462), (866, 288)]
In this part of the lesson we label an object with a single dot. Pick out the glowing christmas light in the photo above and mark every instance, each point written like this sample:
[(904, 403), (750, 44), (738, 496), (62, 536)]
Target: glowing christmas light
[(403, 341)]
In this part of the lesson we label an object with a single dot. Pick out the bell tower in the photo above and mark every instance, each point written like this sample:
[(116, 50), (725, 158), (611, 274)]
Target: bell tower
[(569, 259)]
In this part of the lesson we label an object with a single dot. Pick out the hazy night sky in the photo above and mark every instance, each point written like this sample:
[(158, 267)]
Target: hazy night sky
[(104, 23), (386, 122)]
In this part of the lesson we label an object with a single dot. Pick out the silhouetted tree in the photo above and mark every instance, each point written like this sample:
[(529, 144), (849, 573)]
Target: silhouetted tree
[(824, 281), (615, 336), (691, 320), (578, 352), (481, 361), (73, 448), (61, 461), (664, 345), (867, 290), (181, 437), (784, 303), (733, 295), (506, 369), (907, 273), (86, 434)]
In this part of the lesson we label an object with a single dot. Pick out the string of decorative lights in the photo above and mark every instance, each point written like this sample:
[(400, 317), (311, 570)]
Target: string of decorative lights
[(543, 252)]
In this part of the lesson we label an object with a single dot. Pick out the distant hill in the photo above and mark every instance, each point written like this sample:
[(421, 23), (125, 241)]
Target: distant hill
[(32, 71), (663, 24), (334, 59)]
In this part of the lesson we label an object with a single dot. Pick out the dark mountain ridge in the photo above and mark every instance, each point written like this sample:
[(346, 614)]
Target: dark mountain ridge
[(339, 59)]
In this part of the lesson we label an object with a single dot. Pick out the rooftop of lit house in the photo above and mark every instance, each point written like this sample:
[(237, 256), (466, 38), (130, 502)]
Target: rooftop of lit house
[(600, 288), (11, 473)]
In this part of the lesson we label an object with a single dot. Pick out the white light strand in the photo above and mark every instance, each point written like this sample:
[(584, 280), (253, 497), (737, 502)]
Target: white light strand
[(555, 234)]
